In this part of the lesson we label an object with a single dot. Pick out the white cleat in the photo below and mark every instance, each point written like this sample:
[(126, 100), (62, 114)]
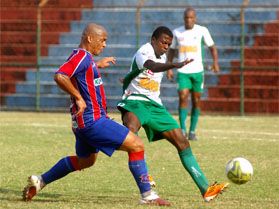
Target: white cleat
[(154, 199), (34, 185)]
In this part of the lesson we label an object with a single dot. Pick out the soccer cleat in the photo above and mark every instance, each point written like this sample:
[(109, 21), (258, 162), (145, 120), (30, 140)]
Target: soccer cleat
[(192, 136), (154, 199), (35, 184), (151, 181), (213, 191)]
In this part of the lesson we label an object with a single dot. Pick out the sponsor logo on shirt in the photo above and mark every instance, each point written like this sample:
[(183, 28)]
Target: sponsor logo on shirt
[(183, 49)]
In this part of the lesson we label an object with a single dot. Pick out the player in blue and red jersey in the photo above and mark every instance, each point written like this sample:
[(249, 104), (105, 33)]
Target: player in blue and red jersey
[(79, 76)]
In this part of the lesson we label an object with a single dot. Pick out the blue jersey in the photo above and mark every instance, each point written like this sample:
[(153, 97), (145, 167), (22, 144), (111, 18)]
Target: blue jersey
[(86, 77)]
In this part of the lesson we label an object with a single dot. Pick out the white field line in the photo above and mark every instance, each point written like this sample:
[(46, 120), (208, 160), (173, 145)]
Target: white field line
[(238, 132), (260, 135), (40, 125)]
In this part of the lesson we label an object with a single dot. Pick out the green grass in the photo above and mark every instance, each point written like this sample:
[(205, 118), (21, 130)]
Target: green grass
[(32, 142)]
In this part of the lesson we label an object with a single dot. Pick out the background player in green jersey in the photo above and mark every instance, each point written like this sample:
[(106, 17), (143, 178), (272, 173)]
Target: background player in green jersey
[(188, 41), (142, 106)]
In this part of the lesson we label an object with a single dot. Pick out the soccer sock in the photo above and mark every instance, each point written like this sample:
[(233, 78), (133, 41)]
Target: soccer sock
[(138, 168), (183, 112), (191, 165), (61, 168), (194, 119)]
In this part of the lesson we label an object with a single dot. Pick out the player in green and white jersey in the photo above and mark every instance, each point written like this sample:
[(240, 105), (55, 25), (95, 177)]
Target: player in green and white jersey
[(189, 41), (141, 105)]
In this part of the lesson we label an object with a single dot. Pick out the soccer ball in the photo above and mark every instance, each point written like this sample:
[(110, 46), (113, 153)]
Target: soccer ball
[(239, 170)]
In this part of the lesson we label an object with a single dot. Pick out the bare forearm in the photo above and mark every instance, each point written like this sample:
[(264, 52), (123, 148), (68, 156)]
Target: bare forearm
[(65, 84), (161, 67), (214, 54)]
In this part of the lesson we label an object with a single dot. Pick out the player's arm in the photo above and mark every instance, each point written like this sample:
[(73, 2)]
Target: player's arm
[(170, 56), (214, 54), (161, 67), (64, 82), (105, 62)]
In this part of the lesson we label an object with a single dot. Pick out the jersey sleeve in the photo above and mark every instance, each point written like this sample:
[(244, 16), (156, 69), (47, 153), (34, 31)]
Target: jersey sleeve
[(174, 41), (207, 38), (142, 56), (75, 64)]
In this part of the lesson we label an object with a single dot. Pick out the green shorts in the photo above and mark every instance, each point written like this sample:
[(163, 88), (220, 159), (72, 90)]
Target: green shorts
[(193, 81), (154, 118)]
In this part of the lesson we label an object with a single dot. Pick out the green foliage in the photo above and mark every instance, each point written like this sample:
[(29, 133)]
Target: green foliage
[(32, 142)]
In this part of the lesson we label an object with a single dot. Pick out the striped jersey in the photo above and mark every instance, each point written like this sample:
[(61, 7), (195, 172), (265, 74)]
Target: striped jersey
[(141, 80), (190, 44), (85, 76)]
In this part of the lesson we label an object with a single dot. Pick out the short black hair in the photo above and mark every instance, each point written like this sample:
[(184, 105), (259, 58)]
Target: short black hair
[(161, 30)]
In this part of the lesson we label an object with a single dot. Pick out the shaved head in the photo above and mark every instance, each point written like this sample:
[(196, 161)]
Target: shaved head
[(92, 29), (93, 38)]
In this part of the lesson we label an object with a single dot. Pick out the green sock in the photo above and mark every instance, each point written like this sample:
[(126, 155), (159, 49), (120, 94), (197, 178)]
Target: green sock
[(194, 119), (183, 112), (191, 165)]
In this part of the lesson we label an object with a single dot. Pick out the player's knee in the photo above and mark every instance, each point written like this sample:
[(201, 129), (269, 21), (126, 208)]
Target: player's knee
[(86, 162), (138, 145), (131, 127), (182, 144)]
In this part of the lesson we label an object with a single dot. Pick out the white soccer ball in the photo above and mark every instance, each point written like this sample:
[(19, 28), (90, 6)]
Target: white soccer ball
[(239, 170)]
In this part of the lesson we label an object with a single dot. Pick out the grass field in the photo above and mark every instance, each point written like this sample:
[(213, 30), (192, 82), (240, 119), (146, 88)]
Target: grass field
[(32, 142)]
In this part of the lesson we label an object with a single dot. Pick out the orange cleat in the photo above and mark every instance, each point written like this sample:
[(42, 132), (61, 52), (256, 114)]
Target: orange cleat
[(213, 191)]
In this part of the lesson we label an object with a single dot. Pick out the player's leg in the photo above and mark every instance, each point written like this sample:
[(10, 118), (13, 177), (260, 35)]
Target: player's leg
[(131, 121), (62, 168), (190, 164), (197, 89), (184, 86), (86, 158), (195, 113), (107, 136), (187, 158), (137, 165)]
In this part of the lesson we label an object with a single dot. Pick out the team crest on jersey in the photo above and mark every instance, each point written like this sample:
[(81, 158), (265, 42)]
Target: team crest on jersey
[(149, 72), (98, 81)]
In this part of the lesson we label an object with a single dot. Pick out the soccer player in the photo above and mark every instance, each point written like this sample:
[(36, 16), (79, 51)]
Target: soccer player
[(188, 41), (80, 77), (142, 106)]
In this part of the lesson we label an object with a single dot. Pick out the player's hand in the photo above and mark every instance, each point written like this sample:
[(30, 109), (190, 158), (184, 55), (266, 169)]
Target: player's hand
[(170, 75), (215, 68), (185, 62), (105, 62), (81, 106)]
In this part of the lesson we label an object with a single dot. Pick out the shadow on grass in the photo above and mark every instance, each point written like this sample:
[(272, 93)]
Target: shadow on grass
[(16, 196)]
